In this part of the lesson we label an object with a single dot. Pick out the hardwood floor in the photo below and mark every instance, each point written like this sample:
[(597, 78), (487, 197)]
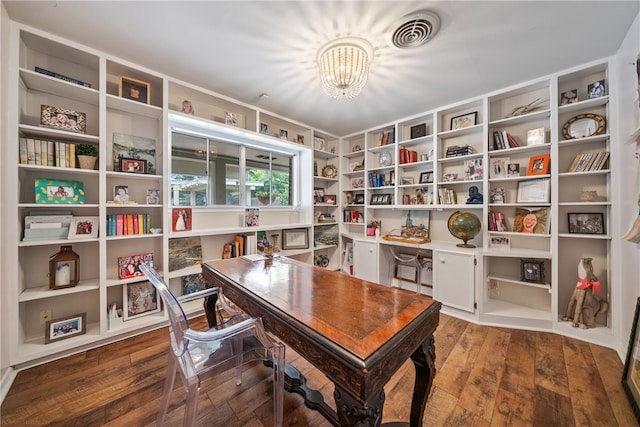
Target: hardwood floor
[(485, 376)]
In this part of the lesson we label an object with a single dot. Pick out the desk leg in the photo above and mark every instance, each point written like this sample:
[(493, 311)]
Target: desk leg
[(353, 413), (424, 361)]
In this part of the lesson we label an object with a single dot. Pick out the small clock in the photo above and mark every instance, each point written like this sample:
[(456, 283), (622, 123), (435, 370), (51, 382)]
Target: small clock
[(329, 171)]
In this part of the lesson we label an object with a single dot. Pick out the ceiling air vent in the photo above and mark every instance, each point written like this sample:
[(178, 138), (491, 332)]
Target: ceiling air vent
[(414, 29)]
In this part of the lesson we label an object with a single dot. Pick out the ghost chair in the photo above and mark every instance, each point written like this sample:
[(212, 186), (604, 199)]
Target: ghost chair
[(200, 355), (414, 260)]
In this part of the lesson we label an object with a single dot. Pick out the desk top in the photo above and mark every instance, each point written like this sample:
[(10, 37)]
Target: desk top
[(359, 316)]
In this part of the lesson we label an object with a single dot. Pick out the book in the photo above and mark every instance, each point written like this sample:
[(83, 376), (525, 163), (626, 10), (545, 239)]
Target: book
[(31, 151), (24, 159), (119, 224), (72, 155), (44, 153), (61, 77), (37, 152)]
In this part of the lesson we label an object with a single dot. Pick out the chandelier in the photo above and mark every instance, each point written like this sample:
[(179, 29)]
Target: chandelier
[(344, 66)]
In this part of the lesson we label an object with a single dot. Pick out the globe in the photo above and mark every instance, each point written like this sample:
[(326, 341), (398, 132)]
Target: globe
[(464, 226)]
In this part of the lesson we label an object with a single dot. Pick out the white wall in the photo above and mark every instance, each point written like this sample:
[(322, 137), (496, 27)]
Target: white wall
[(626, 255)]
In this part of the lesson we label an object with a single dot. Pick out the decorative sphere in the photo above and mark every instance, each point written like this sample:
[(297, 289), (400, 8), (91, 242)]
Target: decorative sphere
[(464, 226)]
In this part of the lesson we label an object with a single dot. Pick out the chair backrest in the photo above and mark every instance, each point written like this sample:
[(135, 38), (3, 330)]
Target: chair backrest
[(177, 319)]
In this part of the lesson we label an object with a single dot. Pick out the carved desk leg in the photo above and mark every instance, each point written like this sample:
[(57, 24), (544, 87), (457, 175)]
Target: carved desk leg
[(353, 413), (210, 310), (424, 361)]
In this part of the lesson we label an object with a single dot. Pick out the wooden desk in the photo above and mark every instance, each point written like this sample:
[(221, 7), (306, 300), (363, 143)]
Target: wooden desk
[(356, 332)]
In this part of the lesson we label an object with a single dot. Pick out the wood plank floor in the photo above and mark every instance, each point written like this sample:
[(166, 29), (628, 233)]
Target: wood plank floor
[(486, 376)]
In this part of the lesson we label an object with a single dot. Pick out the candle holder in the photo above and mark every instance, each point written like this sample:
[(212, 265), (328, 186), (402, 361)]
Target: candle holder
[(64, 269)]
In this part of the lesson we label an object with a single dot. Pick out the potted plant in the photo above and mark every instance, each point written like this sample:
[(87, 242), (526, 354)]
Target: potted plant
[(87, 155)]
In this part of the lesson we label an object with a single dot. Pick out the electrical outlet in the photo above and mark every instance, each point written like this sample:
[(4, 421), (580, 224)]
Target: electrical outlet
[(44, 316)]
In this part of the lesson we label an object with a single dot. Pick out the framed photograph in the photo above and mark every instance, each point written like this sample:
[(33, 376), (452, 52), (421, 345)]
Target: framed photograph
[(134, 147), (252, 217), (473, 170), (418, 131), (405, 272), (140, 299), (497, 195), (500, 243), (596, 89), (295, 238), (464, 121), (425, 177), (55, 191), (534, 191), (65, 327), (181, 219), (129, 266), (357, 182), (513, 169), (631, 371), (300, 139), (184, 252), (359, 199), (135, 90), (329, 199), (319, 143), (586, 223), (408, 180), (82, 227), (61, 118), (186, 107), (539, 165), (153, 197), (532, 270), (498, 167), (193, 283), (121, 193), (569, 97), (284, 134), (230, 119), (132, 165), (449, 177), (264, 128)]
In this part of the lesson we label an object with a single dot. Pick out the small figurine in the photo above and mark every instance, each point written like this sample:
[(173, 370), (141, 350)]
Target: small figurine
[(475, 197)]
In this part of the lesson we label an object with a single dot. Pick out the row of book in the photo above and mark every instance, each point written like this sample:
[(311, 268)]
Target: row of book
[(497, 221), (586, 162), (128, 224), (503, 139), (459, 150), (47, 153), (379, 179), (352, 216), (387, 137), (447, 196), (236, 248)]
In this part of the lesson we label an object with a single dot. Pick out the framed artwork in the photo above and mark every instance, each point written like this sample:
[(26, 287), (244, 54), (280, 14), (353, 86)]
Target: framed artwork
[(329, 199), (596, 89), (135, 90), (631, 371), (464, 121), (534, 191), (295, 238), (57, 192), (251, 217), (153, 197), (319, 143), (405, 272), (264, 128), (532, 270), (140, 299), (65, 327), (318, 194), (500, 243), (408, 180), (284, 134), (181, 219), (536, 136), (62, 118), (300, 139), (586, 223), (184, 252), (418, 131), (498, 167), (134, 147), (569, 97), (513, 169), (497, 195), (230, 119), (359, 199), (132, 165), (129, 266), (121, 194), (357, 182), (187, 107), (531, 221), (539, 165), (82, 227), (193, 283), (425, 177)]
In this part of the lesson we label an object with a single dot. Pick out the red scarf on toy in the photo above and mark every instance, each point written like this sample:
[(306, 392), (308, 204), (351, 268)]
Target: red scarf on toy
[(585, 284)]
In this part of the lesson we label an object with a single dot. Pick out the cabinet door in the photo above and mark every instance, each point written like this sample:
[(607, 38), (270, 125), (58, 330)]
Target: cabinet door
[(365, 260), (454, 283)]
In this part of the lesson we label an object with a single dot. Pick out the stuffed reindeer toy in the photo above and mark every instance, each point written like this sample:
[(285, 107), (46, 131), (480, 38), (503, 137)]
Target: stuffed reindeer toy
[(580, 309)]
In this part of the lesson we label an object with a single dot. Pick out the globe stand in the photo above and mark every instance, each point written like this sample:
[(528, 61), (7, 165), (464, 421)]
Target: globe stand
[(465, 244)]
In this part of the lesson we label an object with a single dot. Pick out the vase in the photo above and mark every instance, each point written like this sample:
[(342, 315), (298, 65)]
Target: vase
[(86, 162)]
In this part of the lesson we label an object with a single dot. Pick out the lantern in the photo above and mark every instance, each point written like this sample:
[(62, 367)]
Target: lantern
[(64, 269)]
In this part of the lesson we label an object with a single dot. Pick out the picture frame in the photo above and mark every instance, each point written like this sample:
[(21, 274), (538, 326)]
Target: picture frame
[(65, 327), (357, 182), (284, 134), (129, 165), (501, 243), (536, 136), (586, 223), (134, 89), (83, 227), (408, 273), (181, 219), (359, 199), (128, 265), (497, 195), (153, 197), (513, 169), (186, 107), (56, 191), (318, 143), (425, 177), (121, 194), (192, 283), (184, 252), (140, 299), (264, 128), (407, 180), (318, 194), (539, 165), (569, 97), (533, 221), (498, 167), (300, 139), (532, 270), (251, 217), (631, 371), (329, 199), (134, 147), (418, 131), (596, 89), (230, 119), (295, 238), (464, 120), (62, 118), (534, 191)]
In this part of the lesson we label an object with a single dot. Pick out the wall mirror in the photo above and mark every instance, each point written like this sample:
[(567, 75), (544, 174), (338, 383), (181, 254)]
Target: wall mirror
[(583, 125)]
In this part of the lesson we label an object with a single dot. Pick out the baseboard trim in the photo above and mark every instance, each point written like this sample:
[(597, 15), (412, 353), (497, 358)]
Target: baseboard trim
[(7, 380)]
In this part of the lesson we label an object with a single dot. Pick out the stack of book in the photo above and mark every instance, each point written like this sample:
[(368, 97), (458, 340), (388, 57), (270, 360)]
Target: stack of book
[(503, 139), (128, 224), (235, 249), (587, 162), (47, 153), (497, 221), (459, 150), (446, 196), (376, 179)]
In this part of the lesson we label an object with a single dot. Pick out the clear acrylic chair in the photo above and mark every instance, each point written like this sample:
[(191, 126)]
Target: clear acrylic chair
[(199, 355), (416, 260)]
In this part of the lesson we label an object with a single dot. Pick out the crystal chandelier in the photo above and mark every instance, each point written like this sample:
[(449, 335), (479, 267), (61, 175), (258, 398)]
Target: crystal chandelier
[(344, 66)]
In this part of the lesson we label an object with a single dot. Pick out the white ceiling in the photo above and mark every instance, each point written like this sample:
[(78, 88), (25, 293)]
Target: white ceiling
[(244, 48)]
